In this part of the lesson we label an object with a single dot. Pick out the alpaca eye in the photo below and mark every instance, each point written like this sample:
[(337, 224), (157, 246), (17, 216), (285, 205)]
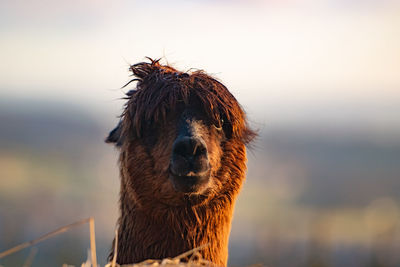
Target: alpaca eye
[(220, 124)]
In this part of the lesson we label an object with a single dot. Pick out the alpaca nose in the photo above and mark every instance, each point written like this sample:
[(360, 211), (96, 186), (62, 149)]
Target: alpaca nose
[(189, 147), (189, 156)]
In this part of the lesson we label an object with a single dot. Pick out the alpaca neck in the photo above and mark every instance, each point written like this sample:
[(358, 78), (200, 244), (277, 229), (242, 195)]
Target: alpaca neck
[(170, 231)]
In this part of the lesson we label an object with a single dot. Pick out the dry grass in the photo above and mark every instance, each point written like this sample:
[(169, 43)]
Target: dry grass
[(191, 258), (195, 259)]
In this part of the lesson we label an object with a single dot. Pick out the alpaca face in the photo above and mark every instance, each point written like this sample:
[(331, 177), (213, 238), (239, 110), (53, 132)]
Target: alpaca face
[(195, 152), (173, 135), (175, 160)]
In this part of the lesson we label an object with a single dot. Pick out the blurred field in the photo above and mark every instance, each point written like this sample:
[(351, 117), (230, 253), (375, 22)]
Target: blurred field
[(313, 197), (320, 79)]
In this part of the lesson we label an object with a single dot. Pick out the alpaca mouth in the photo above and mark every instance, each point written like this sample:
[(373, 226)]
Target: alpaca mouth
[(191, 182)]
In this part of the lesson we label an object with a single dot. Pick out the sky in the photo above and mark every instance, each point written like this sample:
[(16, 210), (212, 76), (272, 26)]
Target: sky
[(336, 62)]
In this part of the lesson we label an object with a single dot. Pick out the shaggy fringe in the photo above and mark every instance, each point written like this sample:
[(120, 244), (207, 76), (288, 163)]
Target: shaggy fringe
[(161, 89)]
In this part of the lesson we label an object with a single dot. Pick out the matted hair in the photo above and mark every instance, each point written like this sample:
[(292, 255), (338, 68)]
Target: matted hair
[(161, 88)]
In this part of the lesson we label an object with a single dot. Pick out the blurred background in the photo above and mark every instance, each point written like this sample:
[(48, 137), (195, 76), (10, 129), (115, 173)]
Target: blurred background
[(320, 79)]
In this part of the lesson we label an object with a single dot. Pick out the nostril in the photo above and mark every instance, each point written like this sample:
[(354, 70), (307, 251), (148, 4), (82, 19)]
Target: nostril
[(182, 148), (199, 150), (189, 147)]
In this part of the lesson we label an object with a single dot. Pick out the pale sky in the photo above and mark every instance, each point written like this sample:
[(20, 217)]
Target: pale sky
[(283, 60)]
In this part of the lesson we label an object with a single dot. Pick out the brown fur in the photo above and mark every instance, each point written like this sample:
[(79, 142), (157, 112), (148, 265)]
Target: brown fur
[(156, 221)]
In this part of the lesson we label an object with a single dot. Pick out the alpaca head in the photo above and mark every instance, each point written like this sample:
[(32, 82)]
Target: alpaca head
[(174, 135)]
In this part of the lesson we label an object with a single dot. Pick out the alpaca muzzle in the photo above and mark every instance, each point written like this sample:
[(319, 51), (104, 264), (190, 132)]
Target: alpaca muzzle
[(189, 166)]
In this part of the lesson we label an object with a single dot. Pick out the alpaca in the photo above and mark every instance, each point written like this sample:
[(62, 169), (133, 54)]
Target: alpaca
[(182, 162)]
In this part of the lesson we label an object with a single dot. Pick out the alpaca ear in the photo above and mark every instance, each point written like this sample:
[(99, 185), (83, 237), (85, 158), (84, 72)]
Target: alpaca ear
[(115, 135)]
